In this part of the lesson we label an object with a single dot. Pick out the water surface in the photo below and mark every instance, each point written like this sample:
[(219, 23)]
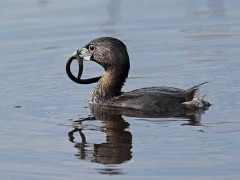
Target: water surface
[(171, 43)]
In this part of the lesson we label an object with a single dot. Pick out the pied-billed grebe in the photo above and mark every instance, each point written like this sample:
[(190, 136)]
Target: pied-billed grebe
[(112, 55)]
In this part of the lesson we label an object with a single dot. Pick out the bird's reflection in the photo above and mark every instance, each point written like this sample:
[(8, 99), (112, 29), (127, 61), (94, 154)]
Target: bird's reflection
[(117, 148)]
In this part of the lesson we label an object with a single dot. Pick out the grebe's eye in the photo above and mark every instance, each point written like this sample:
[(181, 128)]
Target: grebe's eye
[(91, 47)]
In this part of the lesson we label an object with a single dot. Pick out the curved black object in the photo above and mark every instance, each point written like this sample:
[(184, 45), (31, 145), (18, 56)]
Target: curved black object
[(78, 78)]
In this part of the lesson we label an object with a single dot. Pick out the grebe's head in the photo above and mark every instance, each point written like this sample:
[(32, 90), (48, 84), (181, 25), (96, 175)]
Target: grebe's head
[(109, 52)]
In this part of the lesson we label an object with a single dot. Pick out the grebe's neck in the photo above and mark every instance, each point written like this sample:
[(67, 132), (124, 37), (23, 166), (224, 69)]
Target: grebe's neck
[(109, 86)]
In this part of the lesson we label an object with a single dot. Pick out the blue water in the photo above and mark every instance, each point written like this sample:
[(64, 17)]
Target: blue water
[(171, 43)]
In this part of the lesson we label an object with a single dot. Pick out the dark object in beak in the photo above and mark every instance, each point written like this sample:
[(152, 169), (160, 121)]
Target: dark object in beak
[(78, 78)]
